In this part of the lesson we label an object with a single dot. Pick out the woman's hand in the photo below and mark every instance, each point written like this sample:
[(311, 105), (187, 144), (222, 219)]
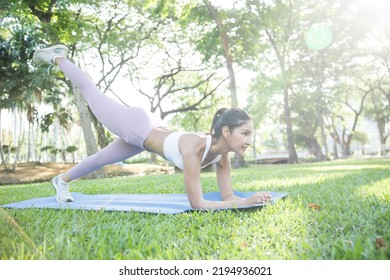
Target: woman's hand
[(259, 198)]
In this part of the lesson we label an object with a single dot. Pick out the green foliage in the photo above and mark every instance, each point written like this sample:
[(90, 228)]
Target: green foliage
[(14, 71), (262, 100), (71, 149), (47, 121), (9, 149), (360, 137), (325, 85), (63, 116), (47, 148), (23, 87), (52, 150), (322, 82), (353, 195)]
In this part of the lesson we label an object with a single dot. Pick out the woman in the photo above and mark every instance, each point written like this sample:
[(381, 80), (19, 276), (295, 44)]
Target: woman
[(139, 130)]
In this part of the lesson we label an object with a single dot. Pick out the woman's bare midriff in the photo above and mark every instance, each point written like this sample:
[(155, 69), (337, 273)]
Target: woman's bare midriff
[(155, 141)]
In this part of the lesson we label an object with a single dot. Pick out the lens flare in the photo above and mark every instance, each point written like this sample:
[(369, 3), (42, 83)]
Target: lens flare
[(318, 37)]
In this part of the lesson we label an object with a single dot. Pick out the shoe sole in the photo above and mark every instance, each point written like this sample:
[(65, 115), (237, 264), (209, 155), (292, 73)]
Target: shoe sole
[(37, 52)]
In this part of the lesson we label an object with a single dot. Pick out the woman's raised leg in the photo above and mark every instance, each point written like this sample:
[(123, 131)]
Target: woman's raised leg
[(113, 115)]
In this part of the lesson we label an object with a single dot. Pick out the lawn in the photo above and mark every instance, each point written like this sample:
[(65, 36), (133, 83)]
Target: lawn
[(350, 220)]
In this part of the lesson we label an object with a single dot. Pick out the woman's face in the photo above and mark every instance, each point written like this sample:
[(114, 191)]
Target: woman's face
[(240, 138)]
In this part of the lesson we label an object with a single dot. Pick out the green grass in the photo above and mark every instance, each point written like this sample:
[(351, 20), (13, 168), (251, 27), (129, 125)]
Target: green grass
[(354, 196)]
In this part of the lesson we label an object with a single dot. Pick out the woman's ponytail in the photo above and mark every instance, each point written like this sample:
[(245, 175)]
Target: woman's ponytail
[(231, 118)]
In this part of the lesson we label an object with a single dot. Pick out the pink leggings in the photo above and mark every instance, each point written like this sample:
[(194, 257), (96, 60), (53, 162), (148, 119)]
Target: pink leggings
[(131, 124)]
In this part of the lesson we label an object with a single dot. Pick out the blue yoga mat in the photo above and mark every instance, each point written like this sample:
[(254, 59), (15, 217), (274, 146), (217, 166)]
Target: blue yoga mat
[(151, 203)]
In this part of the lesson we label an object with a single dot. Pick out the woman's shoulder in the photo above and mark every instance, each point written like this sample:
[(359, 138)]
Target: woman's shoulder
[(193, 142)]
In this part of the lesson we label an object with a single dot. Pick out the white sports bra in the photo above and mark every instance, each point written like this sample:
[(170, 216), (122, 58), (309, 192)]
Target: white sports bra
[(172, 153)]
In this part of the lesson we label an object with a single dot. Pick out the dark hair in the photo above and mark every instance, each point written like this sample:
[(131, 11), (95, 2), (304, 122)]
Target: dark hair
[(232, 118)]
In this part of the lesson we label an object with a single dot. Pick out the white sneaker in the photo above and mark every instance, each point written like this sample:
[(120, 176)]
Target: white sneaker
[(62, 189), (48, 55)]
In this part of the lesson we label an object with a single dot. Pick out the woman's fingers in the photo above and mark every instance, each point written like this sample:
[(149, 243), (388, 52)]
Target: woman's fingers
[(265, 196)]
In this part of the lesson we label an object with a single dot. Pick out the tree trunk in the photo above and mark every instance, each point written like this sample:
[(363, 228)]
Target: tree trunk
[(292, 153), (100, 130), (335, 151), (226, 52), (347, 138), (323, 137), (238, 160), (3, 161), (347, 145), (381, 124), (17, 152), (19, 146), (336, 140), (281, 56), (314, 147), (31, 156), (86, 125)]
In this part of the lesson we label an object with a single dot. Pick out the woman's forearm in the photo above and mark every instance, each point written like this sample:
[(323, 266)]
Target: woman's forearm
[(232, 197)]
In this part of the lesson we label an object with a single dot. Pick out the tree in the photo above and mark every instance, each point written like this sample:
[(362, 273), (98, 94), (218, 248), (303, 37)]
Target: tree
[(307, 123), (176, 80), (277, 23), (226, 51), (72, 150), (238, 160), (123, 33), (356, 108), (381, 96), (361, 138), (178, 88), (309, 58), (21, 88), (50, 17)]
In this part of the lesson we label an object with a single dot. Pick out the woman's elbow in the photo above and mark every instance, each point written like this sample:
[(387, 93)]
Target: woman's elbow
[(197, 203)]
